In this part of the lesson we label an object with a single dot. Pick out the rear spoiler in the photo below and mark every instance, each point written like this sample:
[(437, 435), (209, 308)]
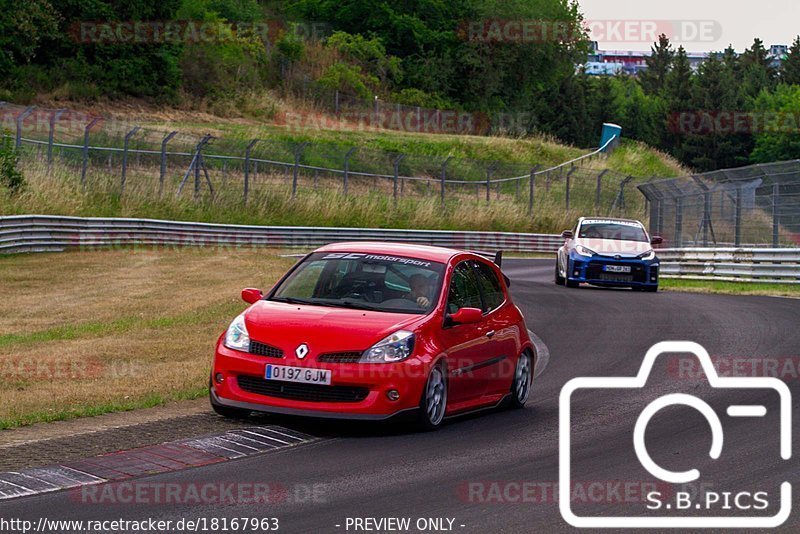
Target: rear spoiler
[(497, 259)]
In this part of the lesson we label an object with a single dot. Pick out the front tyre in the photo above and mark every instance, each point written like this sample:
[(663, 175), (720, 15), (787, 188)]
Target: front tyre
[(523, 379), (651, 289), (434, 399), (559, 279)]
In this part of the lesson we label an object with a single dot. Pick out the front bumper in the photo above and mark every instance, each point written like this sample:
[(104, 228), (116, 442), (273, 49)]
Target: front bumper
[(594, 270), (373, 380)]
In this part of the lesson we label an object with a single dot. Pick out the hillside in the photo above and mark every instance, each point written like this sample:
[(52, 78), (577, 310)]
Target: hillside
[(320, 200)]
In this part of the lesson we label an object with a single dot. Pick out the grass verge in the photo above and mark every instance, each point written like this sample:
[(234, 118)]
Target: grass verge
[(87, 333), (730, 288)]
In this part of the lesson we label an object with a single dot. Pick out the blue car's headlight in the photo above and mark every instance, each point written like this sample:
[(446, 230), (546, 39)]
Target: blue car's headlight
[(649, 255), (583, 251)]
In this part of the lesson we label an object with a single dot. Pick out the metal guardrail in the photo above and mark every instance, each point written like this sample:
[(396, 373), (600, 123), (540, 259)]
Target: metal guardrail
[(776, 265), (45, 233), (42, 233)]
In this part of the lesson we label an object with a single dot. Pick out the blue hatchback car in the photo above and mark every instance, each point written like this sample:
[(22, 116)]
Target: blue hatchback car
[(608, 252)]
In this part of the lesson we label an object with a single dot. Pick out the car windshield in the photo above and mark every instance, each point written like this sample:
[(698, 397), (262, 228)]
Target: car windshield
[(618, 230), (378, 282)]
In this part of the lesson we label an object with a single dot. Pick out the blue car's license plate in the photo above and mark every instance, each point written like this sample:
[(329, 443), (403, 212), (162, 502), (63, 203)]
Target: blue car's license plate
[(617, 268)]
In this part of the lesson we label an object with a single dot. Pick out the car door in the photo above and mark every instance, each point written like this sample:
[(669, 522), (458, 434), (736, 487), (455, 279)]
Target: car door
[(502, 331), (464, 344)]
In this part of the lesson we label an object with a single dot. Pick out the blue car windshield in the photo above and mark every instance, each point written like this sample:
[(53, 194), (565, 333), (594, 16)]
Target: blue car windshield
[(620, 231)]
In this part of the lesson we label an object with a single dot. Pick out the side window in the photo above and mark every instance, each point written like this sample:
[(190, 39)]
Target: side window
[(464, 291), (493, 295)]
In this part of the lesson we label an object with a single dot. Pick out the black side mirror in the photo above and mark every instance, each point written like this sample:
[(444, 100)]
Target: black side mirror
[(567, 234)]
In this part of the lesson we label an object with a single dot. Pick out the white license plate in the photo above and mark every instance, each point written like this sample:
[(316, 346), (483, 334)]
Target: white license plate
[(617, 268), (304, 375)]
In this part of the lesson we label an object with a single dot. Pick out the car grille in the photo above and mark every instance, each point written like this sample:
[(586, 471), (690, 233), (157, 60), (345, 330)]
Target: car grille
[(302, 392), (262, 349), (595, 272), (340, 357)]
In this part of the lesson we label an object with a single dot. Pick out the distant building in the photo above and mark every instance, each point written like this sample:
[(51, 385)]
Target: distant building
[(777, 54), (632, 61)]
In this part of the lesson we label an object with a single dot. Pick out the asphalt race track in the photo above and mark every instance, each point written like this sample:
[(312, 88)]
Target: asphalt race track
[(471, 470)]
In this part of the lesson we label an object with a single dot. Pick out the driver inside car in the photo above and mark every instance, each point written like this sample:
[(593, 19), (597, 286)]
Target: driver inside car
[(420, 290)]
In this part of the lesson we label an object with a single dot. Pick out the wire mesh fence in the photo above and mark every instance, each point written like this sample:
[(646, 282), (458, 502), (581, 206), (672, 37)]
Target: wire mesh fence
[(758, 205), (121, 158)]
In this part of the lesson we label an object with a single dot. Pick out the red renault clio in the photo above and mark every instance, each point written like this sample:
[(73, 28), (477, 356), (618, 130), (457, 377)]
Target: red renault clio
[(372, 330)]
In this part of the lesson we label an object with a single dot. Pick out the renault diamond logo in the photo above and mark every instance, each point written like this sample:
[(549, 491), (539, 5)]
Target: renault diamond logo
[(301, 351)]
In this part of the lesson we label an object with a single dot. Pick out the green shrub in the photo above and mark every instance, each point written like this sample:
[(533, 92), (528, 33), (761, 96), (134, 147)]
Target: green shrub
[(10, 176), (348, 78)]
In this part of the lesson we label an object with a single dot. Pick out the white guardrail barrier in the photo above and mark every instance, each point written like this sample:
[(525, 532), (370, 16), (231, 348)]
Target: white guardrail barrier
[(45, 233), (780, 265)]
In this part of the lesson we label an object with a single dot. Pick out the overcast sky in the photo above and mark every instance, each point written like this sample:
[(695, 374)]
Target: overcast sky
[(707, 24)]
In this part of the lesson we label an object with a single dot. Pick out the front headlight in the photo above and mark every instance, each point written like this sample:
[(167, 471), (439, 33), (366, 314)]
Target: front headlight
[(394, 348), (583, 251), (237, 337), (647, 256)]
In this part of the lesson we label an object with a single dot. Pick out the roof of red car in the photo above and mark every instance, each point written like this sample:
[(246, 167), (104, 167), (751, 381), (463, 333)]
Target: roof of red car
[(422, 252)]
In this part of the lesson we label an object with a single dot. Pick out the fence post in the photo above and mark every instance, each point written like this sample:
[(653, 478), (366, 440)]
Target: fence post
[(336, 103), (776, 214), (737, 240), (532, 189), (347, 168), (567, 182), (247, 166), (162, 172), (20, 119), (444, 176), (297, 153), (706, 216), (598, 189), (489, 171), (679, 221), (397, 175), (51, 135), (125, 159), (85, 163), (654, 206)]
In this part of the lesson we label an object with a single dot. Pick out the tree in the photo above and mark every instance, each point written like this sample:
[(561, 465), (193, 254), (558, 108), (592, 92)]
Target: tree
[(713, 143), (658, 65), (778, 140), (23, 25), (790, 70), (757, 70), (677, 96)]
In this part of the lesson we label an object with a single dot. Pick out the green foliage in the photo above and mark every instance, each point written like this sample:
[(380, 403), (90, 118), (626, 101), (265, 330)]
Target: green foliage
[(10, 175), (349, 78), (415, 97), (658, 65), (370, 54), (790, 70), (780, 140)]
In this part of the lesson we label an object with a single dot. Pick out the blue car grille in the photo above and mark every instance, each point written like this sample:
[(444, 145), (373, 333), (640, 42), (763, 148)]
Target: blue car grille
[(594, 271)]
